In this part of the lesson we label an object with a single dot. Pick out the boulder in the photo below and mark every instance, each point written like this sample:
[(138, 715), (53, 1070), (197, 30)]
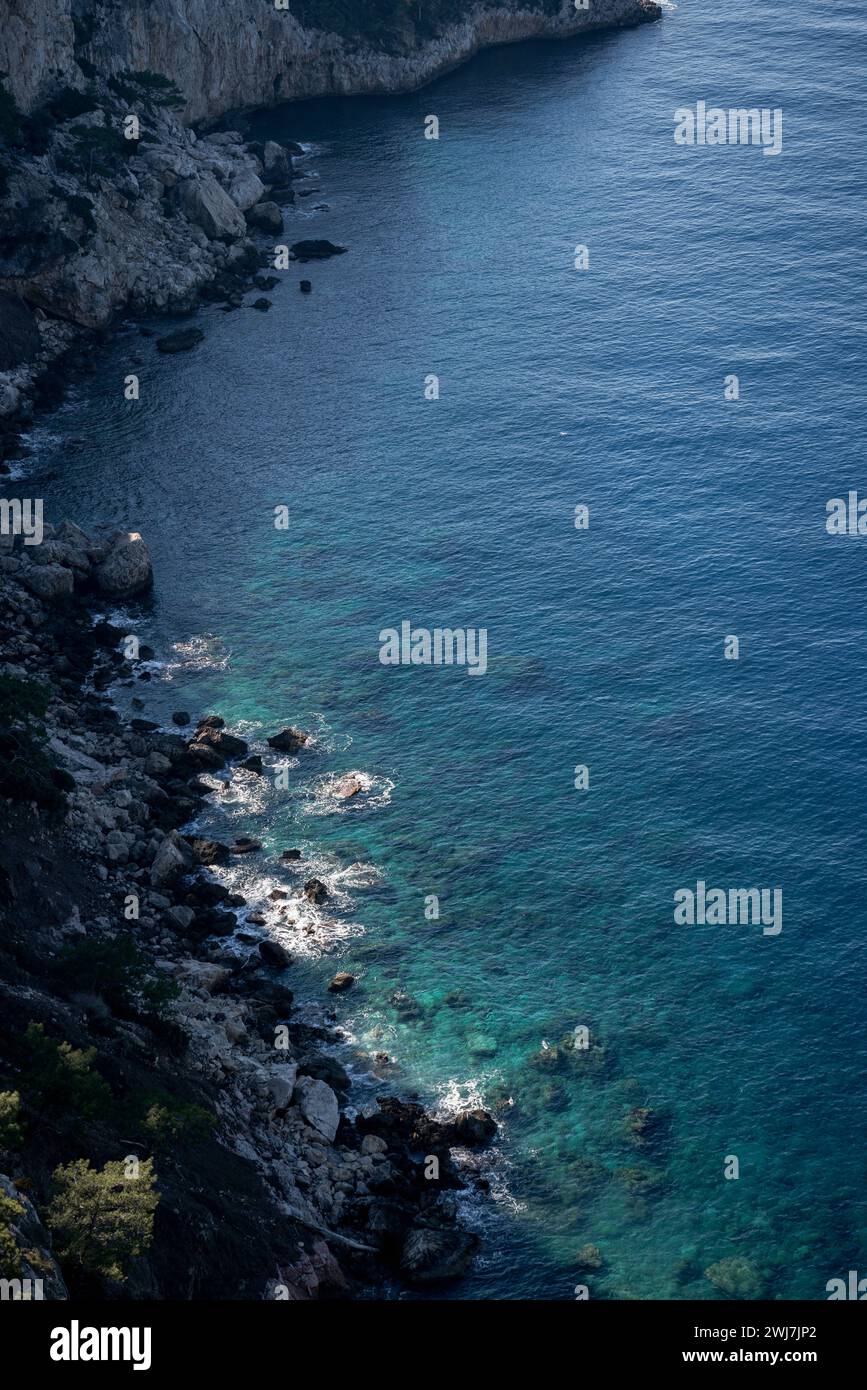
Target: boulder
[(246, 189), (372, 1144), (281, 1084), (204, 757), (347, 786), (48, 582), (327, 1069), (171, 860), (228, 745), (341, 982), (471, 1128), (433, 1256), (126, 569), (276, 162), (208, 851), (266, 217), (288, 740), (180, 917), (275, 956), (208, 204), (318, 1104), (316, 250), (315, 891)]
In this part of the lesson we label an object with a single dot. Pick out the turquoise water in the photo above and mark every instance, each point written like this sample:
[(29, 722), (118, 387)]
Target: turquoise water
[(605, 647)]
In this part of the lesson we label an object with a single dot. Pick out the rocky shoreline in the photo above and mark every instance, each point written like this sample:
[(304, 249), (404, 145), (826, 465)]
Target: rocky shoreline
[(278, 1192), (185, 222), (111, 203), (114, 933)]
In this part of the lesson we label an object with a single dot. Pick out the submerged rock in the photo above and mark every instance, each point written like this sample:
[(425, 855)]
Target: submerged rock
[(736, 1276), (434, 1256), (589, 1257), (181, 340), (341, 982)]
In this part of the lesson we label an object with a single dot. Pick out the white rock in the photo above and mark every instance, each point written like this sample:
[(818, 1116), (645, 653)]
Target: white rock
[(318, 1104), (210, 206), (281, 1084), (172, 859), (246, 189)]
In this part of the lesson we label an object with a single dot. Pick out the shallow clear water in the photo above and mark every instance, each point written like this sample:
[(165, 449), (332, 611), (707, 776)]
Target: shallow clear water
[(605, 647)]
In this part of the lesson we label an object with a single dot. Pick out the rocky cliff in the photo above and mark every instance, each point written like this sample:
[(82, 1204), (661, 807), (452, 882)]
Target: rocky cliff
[(96, 218), (245, 53)]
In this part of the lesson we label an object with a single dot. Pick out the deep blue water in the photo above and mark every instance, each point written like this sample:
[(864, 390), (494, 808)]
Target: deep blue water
[(605, 647)]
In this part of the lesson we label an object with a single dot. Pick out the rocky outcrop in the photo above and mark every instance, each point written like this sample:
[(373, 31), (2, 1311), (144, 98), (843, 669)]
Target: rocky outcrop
[(126, 569), (247, 53)]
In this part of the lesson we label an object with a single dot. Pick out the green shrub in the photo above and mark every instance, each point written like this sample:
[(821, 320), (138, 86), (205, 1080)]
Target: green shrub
[(147, 87), (102, 1220), (169, 1121), (100, 149), (11, 1133), (10, 1254), (58, 1079), (70, 102)]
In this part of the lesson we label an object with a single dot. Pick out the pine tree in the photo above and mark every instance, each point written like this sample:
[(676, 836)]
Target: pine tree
[(10, 1121), (102, 1221)]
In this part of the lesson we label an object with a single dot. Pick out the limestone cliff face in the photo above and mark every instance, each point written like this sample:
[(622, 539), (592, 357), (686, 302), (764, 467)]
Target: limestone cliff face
[(228, 54)]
